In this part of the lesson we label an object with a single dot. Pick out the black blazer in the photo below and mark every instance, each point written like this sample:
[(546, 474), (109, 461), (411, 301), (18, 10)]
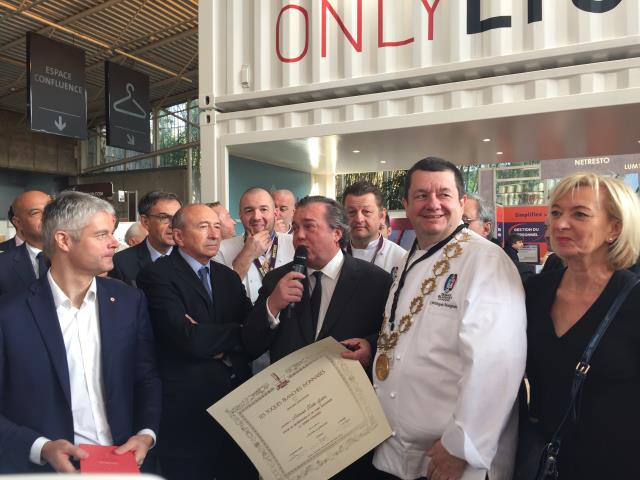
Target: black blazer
[(127, 263), (16, 270), (8, 245), (355, 310), (192, 379)]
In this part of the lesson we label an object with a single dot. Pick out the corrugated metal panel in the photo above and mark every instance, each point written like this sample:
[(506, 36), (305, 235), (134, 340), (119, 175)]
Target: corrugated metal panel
[(255, 33)]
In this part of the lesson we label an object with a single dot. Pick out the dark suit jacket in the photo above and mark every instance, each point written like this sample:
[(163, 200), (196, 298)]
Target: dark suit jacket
[(356, 310), (8, 245), (35, 395), (127, 263), (16, 270), (192, 379)]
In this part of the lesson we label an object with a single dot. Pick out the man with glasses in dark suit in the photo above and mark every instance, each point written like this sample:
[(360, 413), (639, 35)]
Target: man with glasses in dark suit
[(156, 211)]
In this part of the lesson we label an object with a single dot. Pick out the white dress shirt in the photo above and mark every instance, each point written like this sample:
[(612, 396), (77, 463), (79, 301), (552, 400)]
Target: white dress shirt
[(330, 275), (33, 253), (155, 254)]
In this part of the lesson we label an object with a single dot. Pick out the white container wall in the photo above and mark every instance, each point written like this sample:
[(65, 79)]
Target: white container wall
[(259, 50)]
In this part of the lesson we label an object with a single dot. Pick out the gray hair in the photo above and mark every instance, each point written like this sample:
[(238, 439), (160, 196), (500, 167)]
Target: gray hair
[(485, 212), (335, 216), (71, 212), (133, 230)]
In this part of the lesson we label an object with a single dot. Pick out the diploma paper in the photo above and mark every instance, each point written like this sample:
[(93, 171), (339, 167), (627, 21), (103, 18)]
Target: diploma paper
[(307, 416)]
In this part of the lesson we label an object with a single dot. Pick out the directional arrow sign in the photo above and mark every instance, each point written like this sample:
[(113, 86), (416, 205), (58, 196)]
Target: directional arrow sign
[(59, 123), (57, 96), (131, 140)]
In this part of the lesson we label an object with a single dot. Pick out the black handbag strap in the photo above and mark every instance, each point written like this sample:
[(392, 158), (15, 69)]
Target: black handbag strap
[(583, 366)]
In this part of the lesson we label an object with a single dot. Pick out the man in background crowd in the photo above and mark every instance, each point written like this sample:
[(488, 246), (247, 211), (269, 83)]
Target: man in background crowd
[(22, 265), (136, 234), (385, 227), (197, 309), (285, 202), (261, 249), (362, 202), (227, 223), (16, 240), (156, 210), (78, 354), (479, 216)]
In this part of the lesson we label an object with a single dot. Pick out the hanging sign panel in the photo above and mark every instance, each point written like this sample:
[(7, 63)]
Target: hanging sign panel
[(127, 107), (57, 100)]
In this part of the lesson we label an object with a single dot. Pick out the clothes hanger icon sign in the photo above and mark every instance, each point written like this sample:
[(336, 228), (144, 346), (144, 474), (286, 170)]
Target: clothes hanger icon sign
[(140, 113)]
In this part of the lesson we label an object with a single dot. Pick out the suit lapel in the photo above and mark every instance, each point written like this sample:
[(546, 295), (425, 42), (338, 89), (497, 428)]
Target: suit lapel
[(189, 276), (22, 265), (347, 282), (143, 258), (44, 314), (218, 287), (107, 305)]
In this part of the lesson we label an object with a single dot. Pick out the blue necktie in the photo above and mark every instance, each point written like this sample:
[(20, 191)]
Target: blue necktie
[(203, 273)]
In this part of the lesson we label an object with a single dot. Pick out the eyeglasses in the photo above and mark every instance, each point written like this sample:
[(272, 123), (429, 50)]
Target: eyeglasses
[(162, 217)]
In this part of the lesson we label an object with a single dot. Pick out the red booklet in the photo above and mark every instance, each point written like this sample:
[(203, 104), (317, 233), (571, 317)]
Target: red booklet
[(102, 459)]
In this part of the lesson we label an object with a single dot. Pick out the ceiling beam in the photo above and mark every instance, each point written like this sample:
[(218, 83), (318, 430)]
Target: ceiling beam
[(66, 21), (94, 41)]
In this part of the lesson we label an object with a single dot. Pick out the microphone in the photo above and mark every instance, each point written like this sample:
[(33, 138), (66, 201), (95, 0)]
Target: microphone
[(300, 266)]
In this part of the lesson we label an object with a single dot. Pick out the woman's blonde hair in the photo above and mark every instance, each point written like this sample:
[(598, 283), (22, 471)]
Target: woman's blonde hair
[(620, 202)]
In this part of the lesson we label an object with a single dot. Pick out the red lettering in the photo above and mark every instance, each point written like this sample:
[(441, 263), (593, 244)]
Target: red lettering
[(357, 45), (430, 10), (306, 34), (381, 41)]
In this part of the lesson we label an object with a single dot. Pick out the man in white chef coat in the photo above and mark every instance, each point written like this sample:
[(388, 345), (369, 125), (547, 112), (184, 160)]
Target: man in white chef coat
[(452, 349)]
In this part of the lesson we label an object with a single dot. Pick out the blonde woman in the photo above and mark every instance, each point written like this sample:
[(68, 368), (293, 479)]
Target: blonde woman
[(594, 224)]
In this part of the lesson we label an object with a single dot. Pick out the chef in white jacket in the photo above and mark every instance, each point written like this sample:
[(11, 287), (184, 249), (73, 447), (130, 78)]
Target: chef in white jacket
[(452, 350)]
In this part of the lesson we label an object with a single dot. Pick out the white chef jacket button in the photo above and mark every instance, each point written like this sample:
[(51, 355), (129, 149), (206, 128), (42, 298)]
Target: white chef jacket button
[(375, 386), (392, 394), (397, 357), (393, 433)]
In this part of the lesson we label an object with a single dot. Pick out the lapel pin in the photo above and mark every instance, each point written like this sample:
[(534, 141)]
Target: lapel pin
[(112, 299)]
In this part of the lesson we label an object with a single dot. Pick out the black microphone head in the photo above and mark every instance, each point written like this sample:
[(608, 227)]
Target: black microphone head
[(300, 257)]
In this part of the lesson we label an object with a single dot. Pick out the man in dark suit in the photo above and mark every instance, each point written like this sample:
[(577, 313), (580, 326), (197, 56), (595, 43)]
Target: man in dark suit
[(341, 297), (352, 296), (77, 358), (197, 309), (22, 265), (14, 241), (156, 210)]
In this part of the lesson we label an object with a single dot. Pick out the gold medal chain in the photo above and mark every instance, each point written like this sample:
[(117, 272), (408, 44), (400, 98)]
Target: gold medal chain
[(388, 339)]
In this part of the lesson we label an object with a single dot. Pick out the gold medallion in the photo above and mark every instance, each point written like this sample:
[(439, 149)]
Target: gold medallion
[(382, 366)]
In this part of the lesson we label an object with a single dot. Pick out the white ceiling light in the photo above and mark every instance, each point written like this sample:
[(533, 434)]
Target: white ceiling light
[(356, 151), (383, 161), (498, 153), (486, 139)]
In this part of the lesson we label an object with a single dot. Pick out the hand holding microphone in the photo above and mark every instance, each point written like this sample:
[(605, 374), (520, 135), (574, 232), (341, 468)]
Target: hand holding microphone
[(289, 289)]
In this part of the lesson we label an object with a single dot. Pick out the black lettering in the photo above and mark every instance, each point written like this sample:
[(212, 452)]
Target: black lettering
[(596, 6), (476, 25), (534, 11)]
